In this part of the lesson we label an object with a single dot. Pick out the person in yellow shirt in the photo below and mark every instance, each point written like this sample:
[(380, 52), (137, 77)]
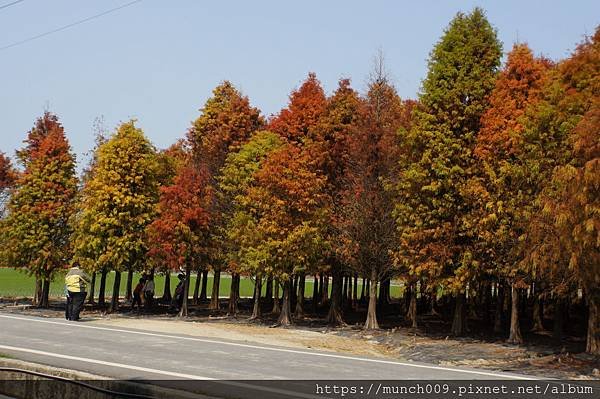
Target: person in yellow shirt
[(76, 282)]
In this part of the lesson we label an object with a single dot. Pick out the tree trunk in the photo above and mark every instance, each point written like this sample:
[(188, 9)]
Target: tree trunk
[(183, 312), (321, 285), (368, 290), (459, 321), (300, 298), (128, 291), (506, 305), (514, 336), (257, 290), (195, 298), (384, 293), (344, 289), (315, 295), (355, 292), (276, 306), (371, 322), (405, 301), (92, 289), (269, 289), (166, 298), (593, 330), (285, 316), (214, 295), (37, 294), (334, 316), (362, 291), (538, 312), (234, 294), (432, 302), (412, 307), (498, 309), (487, 300), (557, 332), (203, 294), (114, 302), (44, 303), (293, 291), (349, 288), (325, 292), (102, 291)]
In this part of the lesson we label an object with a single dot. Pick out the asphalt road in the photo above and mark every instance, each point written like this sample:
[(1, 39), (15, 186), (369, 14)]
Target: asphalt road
[(143, 355)]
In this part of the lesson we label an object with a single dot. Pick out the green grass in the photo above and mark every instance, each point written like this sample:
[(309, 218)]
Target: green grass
[(14, 283)]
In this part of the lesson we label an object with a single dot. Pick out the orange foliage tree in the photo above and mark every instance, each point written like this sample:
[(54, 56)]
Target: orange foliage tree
[(299, 120), (501, 197), (288, 199)]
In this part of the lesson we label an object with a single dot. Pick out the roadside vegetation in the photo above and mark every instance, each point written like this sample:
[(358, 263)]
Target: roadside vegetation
[(480, 198)]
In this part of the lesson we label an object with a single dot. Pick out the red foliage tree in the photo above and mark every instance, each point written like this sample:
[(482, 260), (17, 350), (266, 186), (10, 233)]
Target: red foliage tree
[(366, 221), (178, 236), (301, 117), (336, 126)]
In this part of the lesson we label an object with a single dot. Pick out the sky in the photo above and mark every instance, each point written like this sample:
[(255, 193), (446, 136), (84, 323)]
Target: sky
[(158, 61)]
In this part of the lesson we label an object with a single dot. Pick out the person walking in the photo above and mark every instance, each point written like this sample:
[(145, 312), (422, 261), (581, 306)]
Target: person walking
[(76, 282)]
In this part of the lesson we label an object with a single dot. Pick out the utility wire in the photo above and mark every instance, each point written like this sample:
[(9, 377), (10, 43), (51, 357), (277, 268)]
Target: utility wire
[(11, 4), (81, 21)]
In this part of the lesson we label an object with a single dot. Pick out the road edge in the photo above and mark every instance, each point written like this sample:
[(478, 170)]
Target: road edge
[(78, 391)]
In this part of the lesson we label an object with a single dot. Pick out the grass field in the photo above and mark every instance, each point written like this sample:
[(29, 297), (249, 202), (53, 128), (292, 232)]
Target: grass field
[(14, 283)]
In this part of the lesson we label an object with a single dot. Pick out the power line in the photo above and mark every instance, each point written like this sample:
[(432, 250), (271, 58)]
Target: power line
[(11, 4), (81, 21)]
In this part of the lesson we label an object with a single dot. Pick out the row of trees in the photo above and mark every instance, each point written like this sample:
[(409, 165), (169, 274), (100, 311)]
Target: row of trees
[(485, 188)]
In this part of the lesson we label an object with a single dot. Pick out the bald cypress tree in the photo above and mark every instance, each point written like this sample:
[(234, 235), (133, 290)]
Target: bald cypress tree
[(36, 231), (117, 204), (437, 162)]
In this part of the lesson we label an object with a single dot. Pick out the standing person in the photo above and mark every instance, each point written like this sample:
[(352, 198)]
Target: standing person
[(179, 291), (76, 282), (137, 294), (149, 291), (69, 304)]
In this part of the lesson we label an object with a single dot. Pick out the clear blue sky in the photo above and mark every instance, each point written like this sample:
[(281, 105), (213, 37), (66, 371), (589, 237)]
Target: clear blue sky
[(158, 61)]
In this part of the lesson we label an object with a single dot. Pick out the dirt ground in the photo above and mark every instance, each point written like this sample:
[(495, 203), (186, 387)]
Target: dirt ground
[(404, 344)]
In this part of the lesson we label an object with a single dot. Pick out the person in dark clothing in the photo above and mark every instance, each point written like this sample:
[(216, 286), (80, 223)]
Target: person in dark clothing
[(69, 304), (137, 294), (179, 291), (76, 282)]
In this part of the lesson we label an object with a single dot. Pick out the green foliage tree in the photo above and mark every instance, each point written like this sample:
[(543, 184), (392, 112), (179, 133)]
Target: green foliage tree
[(433, 211), (116, 205), (246, 250)]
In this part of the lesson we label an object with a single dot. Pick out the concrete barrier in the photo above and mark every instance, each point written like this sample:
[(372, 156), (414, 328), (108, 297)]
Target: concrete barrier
[(35, 384)]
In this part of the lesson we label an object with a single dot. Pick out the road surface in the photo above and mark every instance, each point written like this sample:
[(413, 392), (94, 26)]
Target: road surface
[(125, 353)]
